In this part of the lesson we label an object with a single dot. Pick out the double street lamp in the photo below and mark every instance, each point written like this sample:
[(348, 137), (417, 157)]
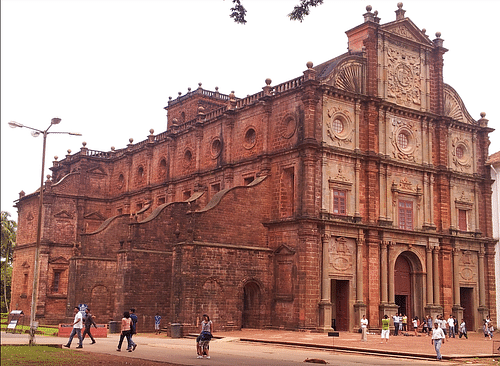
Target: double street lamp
[(35, 133)]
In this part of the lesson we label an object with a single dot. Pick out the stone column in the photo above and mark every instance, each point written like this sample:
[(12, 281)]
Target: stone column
[(391, 274), (325, 305), (483, 309), (357, 168), (435, 274), (359, 267), (456, 280), (359, 306), (383, 272), (481, 284), (429, 267), (457, 310)]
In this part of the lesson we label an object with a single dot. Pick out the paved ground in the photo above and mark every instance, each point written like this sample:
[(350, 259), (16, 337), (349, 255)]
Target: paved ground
[(154, 347)]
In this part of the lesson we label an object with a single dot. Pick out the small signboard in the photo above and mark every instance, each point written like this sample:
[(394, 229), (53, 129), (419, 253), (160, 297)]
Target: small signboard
[(14, 318)]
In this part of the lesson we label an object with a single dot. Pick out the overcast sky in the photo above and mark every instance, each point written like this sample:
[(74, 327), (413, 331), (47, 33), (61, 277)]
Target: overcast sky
[(107, 67)]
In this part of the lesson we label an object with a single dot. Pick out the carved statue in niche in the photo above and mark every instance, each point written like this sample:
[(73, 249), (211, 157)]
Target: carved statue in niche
[(341, 254), (403, 77)]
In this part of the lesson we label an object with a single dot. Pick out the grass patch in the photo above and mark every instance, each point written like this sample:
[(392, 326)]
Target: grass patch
[(42, 355)]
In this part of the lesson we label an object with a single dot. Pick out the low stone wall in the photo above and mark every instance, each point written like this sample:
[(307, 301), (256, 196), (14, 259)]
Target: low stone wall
[(100, 332)]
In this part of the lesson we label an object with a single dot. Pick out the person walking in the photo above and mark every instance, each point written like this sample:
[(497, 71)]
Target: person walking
[(429, 325), (438, 338), (133, 328), (89, 321), (125, 333), (157, 323), (364, 328), (463, 330), (205, 336), (77, 328)]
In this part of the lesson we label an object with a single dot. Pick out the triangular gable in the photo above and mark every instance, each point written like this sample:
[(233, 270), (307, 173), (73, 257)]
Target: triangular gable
[(94, 216), (284, 250), (25, 265), (405, 28), (63, 215), (97, 170), (59, 260)]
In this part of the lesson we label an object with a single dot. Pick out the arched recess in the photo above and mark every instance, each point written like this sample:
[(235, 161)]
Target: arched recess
[(409, 285), (252, 300), (100, 304)]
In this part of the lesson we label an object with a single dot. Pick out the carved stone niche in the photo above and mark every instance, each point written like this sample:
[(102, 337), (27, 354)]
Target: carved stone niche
[(284, 258), (341, 252)]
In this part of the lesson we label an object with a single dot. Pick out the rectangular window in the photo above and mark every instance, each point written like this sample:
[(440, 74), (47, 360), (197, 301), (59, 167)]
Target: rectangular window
[(462, 220), (25, 284), (339, 202), (186, 195), (161, 200), (56, 281), (405, 215)]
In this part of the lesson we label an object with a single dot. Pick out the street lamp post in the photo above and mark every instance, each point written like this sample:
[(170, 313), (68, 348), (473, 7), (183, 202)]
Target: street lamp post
[(36, 133)]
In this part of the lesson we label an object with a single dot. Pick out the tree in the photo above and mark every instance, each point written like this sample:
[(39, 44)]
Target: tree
[(300, 11), (7, 246)]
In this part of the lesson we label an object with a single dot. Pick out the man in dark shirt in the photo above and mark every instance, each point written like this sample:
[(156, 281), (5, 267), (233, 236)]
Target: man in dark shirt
[(133, 329), (89, 321)]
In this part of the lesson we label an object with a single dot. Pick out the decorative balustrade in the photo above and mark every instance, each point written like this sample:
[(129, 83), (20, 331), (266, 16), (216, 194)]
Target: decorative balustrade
[(210, 116)]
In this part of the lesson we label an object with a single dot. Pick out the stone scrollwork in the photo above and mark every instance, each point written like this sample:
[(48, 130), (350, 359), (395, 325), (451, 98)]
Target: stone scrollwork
[(341, 254), (461, 153), (339, 127), (404, 77), (404, 139)]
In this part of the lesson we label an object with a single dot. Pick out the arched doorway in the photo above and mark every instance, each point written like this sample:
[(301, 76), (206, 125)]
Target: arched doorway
[(251, 306), (409, 285)]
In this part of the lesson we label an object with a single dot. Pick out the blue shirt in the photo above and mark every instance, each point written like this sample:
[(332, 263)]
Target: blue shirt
[(134, 321), (157, 319)]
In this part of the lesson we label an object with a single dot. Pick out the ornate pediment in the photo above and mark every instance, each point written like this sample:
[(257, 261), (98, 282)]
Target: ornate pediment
[(406, 29), (63, 215), (94, 216), (59, 260), (97, 170), (454, 106), (284, 250)]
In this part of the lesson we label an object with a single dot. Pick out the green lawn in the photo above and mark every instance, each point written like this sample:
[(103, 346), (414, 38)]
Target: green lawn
[(37, 355)]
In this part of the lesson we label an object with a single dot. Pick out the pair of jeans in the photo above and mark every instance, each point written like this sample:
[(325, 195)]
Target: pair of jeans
[(78, 332), (396, 328), (125, 333), (437, 346), (87, 331)]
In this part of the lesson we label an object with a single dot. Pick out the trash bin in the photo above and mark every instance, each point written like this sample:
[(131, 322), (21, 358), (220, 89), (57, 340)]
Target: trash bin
[(176, 330), (113, 327)]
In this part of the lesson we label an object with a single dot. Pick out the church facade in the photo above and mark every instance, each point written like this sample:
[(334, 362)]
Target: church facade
[(358, 187)]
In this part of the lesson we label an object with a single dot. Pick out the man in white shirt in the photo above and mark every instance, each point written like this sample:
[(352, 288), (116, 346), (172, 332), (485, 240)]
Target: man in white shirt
[(77, 328), (437, 339), (395, 318), (451, 327)]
